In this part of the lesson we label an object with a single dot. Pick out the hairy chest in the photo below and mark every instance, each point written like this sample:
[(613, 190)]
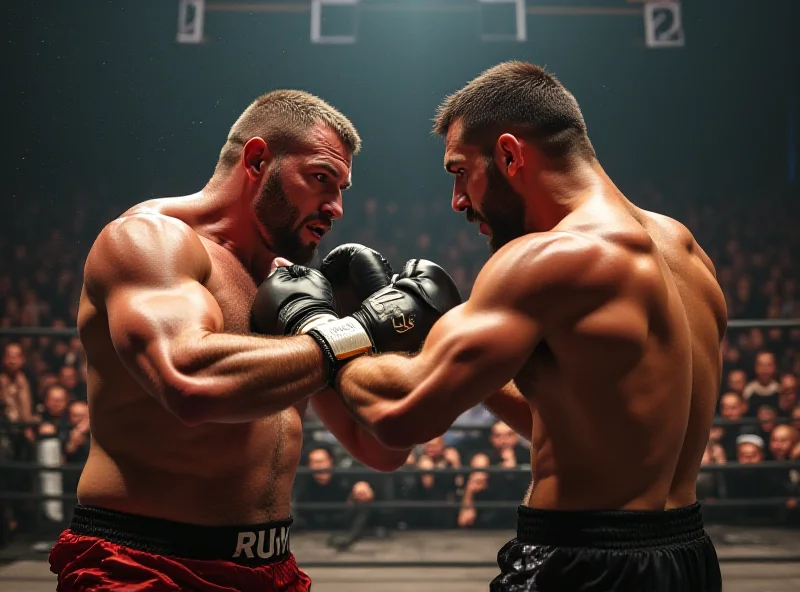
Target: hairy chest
[(233, 288)]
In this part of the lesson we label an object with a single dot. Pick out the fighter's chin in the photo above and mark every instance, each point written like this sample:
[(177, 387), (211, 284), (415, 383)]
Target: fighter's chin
[(498, 241), (295, 251), (302, 253)]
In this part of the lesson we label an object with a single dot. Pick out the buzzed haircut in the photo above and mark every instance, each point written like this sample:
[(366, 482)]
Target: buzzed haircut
[(283, 118), (519, 98)]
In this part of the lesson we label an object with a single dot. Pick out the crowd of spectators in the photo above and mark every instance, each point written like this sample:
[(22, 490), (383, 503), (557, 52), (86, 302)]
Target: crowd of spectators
[(44, 416)]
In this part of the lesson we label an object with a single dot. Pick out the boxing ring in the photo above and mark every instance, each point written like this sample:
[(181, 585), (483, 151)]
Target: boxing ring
[(759, 557)]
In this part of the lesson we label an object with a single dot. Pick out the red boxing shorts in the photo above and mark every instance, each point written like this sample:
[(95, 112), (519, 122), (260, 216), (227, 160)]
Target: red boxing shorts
[(107, 550)]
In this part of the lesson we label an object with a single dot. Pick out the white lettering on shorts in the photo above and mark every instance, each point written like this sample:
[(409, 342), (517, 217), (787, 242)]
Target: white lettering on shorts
[(282, 540), (276, 543), (245, 543), (270, 534)]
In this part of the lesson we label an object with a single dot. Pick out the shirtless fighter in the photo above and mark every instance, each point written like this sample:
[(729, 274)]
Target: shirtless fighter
[(608, 320), (196, 425)]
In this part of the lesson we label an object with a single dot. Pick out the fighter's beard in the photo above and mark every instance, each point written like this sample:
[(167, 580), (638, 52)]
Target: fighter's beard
[(280, 220), (503, 210)]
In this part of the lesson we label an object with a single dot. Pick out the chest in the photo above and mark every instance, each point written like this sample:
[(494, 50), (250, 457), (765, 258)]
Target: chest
[(233, 288)]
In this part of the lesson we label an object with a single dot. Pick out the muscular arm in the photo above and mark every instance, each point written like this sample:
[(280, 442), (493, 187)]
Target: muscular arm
[(147, 272), (361, 444), (532, 285)]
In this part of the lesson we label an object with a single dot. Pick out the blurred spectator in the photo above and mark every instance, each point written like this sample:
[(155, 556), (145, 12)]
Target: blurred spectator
[(764, 389), (435, 454), (46, 380), (737, 381), (749, 449), (733, 408), (787, 400), (478, 490), (68, 378), (325, 486), (431, 487), (506, 449), (758, 483), (442, 456), (782, 442), (766, 416), (55, 404), (710, 483), (16, 400), (507, 452), (75, 442)]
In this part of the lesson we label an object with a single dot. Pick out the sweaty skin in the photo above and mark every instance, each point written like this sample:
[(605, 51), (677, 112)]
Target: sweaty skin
[(610, 328), (192, 418)]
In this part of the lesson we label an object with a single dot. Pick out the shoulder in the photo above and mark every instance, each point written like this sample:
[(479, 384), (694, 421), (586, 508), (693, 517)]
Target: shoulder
[(555, 263), (681, 236), (142, 244)]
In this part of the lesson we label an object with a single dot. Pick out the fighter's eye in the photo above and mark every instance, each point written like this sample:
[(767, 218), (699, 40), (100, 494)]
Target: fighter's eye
[(460, 173), (321, 177)]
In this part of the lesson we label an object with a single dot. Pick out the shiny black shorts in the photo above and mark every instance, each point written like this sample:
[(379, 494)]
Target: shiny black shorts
[(605, 551)]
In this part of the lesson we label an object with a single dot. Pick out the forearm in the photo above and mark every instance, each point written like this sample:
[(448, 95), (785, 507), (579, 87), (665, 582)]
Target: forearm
[(468, 500), (360, 443), (225, 378), (512, 408), (370, 386), (383, 393)]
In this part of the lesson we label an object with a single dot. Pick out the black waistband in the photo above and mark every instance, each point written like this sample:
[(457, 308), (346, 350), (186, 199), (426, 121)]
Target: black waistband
[(609, 529), (253, 545)]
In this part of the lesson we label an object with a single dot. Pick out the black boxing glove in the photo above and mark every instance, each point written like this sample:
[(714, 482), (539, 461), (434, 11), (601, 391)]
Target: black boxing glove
[(394, 319), (428, 293), (290, 300), (432, 284), (293, 301), (355, 272)]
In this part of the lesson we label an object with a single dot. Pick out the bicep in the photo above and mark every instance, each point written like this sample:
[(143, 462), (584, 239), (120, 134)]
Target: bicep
[(152, 295), (147, 324)]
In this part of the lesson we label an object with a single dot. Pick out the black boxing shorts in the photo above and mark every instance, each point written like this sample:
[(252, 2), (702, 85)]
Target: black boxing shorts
[(605, 551), (107, 550)]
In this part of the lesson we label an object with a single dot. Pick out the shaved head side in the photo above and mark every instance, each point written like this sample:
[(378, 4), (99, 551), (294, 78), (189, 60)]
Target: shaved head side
[(522, 99), (282, 118)]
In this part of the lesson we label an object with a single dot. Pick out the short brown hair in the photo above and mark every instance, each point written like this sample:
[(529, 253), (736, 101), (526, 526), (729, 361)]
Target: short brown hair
[(282, 118), (517, 97)]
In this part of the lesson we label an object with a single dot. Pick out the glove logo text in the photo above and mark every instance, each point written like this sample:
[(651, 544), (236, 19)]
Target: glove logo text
[(402, 324)]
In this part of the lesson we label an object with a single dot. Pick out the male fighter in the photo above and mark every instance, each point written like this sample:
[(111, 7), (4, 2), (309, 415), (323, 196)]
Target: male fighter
[(195, 425), (607, 318)]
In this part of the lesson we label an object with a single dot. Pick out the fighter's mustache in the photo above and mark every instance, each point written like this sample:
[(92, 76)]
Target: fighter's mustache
[(473, 217), (320, 221)]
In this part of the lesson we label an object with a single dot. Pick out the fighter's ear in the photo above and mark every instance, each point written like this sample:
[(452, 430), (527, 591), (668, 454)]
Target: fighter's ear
[(508, 154), (255, 157)]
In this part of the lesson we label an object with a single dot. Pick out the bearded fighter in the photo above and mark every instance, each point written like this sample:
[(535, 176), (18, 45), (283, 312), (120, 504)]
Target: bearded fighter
[(594, 330), (196, 425)]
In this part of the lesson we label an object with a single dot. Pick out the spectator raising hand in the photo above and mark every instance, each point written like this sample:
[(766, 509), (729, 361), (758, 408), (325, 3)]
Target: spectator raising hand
[(477, 482)]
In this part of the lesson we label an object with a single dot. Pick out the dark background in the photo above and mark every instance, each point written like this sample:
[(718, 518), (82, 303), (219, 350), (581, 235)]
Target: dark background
[(99, 99)]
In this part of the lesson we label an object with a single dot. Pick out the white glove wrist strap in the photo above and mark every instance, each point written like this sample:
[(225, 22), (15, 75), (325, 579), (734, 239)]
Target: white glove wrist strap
[(314, 322), (346, 337)]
